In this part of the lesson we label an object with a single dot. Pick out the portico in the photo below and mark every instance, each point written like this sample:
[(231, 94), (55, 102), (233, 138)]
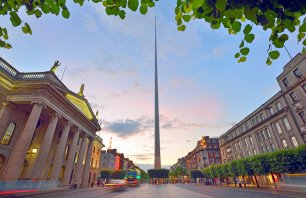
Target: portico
[(46, 130)]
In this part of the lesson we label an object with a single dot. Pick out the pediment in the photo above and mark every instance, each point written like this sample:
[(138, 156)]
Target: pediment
[(80, 104)]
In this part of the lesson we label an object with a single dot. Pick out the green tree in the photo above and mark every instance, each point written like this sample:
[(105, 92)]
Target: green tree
[(301, 157), (233, 169), (119, 174), (280, 17), (226, 172), (105, 174), (245, 169)]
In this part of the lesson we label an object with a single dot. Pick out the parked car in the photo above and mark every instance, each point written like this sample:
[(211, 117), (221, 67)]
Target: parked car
[(116, 185)]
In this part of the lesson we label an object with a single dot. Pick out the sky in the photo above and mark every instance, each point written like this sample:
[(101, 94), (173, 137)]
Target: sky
[(203, 91)]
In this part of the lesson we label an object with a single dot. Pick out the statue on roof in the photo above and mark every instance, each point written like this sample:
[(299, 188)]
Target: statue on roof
[(55, 66), (97, 113), (81, 92)]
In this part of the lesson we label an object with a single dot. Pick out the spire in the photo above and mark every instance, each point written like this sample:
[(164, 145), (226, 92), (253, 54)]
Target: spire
[(157, 161)]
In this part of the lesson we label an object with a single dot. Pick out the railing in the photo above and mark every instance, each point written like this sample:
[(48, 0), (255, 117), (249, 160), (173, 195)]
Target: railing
[(33, 76), (9, 69)]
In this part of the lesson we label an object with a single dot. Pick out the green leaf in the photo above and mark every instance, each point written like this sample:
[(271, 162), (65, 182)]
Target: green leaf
[(197, 3), (187, 18), (26, 29), (249, 38), (274, 54), (123, 3), (247, 29), (55, 9), (133, 4), (283, 38), (304, 42), (109, 10), (122, 14), (242, 59), (268, 62), (45, 8), (221, 4), (8, 46), (143, 9), (182, 28), (236, 26), (38, 13), (245, 51), (300, 36), (15, 19), (66, 13), (303, 27), (241, 44), (237, 55)]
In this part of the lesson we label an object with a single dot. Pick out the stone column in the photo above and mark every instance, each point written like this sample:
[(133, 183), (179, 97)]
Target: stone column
[(5, 115), (16, 160), (79, 167), (87, 164), (60, 149), (41, 160), (70, 160)]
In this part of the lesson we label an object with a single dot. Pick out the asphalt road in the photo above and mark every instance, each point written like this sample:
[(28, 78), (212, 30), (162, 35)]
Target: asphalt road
[(170, 191)]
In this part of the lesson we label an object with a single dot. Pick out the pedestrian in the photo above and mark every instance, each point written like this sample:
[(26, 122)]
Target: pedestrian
[(98, 183)]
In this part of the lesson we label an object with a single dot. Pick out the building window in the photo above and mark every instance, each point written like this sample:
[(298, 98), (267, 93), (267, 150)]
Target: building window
[(264, 134), (240, 144), (249, 153), (279, 106), (295, 143), (268, 132), (286, 122), (94, 149), (268, 148), (293, 97), (251, 140), (285, 143), (297, 73), (91, 162), (272, 147), (303, 116), (246, 142), (254, 151), (304, 87), (2, 159), (8, 134), (279, 129), (285, 81), (271, 110)]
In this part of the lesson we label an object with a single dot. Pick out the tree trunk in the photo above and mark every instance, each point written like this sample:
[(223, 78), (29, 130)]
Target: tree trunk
[(256, 181), (235, 181), (244, 181), (273, 179)]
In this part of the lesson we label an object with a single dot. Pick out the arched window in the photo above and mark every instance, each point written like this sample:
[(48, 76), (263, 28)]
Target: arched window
[(1, 161), (8, 134)]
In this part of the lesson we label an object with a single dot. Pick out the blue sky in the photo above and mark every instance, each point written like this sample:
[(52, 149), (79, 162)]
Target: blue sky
[(203, 90)]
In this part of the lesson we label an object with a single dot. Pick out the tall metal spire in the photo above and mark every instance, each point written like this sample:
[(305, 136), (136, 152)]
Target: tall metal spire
[(157, 161)]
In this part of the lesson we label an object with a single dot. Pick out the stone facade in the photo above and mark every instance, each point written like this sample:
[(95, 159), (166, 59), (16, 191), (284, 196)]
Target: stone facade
[(47, 132), (107, 161), (205, 154), (277, 124)]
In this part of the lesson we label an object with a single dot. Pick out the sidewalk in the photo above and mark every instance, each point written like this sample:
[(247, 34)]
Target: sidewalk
[(60, 189), (279, 188)]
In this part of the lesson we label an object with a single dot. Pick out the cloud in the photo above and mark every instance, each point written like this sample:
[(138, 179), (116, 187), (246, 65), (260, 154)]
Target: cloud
[(142, 157), (127, 127)]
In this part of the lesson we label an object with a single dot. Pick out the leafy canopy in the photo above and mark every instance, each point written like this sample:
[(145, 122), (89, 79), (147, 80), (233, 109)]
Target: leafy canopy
[(280, 17)]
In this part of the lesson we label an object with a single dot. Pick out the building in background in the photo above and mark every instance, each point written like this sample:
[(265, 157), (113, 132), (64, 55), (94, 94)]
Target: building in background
[(205, 154), (107, 160), (95, 160), (47, 131), (277, 124)]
